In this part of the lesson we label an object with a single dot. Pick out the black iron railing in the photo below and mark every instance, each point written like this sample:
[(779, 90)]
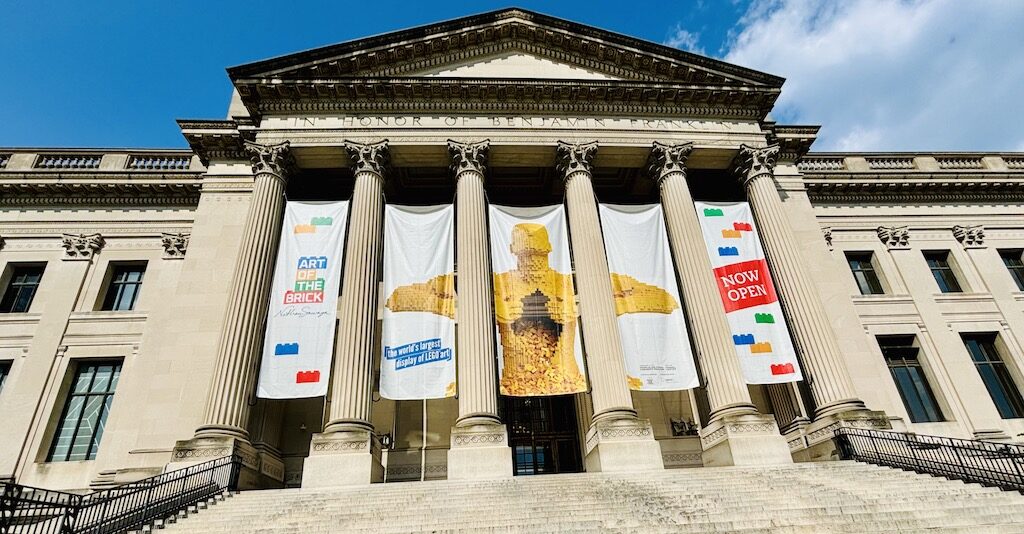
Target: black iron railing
[(986, 462), (28, 510)]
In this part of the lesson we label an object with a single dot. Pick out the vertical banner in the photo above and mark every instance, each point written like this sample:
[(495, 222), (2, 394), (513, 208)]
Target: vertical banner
[(655, 342), (758, 327), (299, 342), (535, 302), (418, 339)]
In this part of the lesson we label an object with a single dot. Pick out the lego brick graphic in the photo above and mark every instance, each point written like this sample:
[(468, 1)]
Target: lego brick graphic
[(743, 339), (782, 369), (305, 229), (742, 227), (286, 349), (728, 251), (713, 212), (307, 377), (731, 234), (764, 318), (321, 221), (762, 347)]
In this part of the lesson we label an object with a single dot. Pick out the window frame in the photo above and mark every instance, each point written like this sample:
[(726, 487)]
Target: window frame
[(9, 280), (946, 284), (870, 274), (104, 406), (5, 372), (903, 352), (1016, 271), (1001, 372), (114, 288)]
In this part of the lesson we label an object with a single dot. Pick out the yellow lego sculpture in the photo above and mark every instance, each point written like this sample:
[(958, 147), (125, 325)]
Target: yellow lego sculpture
[(535, 308), (634, 296), (436, 296)]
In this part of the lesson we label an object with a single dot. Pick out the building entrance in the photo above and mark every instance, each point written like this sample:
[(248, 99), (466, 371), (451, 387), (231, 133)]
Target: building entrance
[(543, 435)]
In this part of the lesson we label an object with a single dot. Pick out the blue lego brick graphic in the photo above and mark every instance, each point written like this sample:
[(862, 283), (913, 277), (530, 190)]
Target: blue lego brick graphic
[(743, 339), (286, 349)]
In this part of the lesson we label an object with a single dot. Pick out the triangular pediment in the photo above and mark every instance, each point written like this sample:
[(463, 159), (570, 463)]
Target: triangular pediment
[(513, 65)]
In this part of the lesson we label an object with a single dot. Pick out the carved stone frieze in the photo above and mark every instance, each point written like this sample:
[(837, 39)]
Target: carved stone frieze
[(369, 157), (894, 237), (754, 163), (274, 159), (972, 236), (81, 246), (668, 159), (464, 440), (571, 159), (468, 156), (175, 245)]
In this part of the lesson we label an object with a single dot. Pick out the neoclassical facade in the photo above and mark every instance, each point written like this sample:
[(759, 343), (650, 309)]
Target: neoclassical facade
[(135, 282)]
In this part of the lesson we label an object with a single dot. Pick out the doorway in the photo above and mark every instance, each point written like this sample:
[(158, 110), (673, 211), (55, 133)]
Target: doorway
[(543, 435)]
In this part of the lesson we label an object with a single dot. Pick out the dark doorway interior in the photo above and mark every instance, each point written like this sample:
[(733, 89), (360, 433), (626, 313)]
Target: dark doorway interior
[(542, 433)]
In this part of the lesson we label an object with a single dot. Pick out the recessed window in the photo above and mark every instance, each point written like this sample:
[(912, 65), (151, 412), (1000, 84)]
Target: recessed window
[(1014, 262), (864, 273), (901, 356), (995, 375), (125, 284), (942, 271), (21, 289), (85, 412), (5, 369)]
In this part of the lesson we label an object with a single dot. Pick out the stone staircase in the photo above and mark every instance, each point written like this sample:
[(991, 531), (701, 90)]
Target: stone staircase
[(815, 498)]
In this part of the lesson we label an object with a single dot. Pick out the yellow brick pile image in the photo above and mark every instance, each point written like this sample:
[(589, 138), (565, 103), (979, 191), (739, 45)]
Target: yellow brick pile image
[(436, 296), (634, 296)]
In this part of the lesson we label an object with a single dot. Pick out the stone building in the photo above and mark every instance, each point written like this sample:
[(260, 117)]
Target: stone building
[(134, 282)]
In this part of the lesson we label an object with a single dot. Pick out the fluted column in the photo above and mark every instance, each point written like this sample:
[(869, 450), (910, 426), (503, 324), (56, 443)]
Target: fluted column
[(478, 389), (227, 406), (352, 373), (726, 388), (822, 358)]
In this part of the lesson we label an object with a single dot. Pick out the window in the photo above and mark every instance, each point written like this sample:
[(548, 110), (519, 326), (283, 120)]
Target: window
[(901, 357), (21, 289), (125, 284), (938, 262), (1014, 262), (5, 369), (85, 412), (994, 373), (864, 273)]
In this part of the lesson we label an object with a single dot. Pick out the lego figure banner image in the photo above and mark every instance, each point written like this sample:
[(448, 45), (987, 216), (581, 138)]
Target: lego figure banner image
[(535, 302), (655, 343), (759, 332), (418, 337), (299, 342)]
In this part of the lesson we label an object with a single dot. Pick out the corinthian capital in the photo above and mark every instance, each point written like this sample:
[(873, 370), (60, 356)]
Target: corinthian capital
[(370, 157), (270, 159), (756, 162), (668, 159), (468, 156), (570, 158), (81, 246)]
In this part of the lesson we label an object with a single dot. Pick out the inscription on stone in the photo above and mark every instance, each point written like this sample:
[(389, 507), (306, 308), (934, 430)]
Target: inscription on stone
[(513, 122)]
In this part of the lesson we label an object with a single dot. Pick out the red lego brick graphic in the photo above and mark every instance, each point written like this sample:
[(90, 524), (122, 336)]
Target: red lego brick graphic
[(307, 377), (742, 227), (783, 369)]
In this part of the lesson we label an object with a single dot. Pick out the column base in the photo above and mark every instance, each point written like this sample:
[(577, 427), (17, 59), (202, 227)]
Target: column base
[(622, 445), (479, 452), (203, 449), (347, 458), (744, 440), (820, 435)]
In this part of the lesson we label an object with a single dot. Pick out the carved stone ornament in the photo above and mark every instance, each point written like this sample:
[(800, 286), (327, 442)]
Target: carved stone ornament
[(668, 159), (826, 232), (970, 236), (270, 159), (370, 157), (894, 236), (756, 162), (175, 245), (81, 246), (571, 159), (468, 156)]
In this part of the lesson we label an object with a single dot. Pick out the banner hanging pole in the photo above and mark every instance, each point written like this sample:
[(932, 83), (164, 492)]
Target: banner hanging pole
[(423, 447)]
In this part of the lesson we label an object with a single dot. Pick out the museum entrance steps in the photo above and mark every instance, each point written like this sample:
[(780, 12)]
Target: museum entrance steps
[(808, 498)]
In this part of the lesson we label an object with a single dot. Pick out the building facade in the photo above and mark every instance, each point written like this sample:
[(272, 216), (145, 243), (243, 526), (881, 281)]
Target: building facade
[(135, 282)]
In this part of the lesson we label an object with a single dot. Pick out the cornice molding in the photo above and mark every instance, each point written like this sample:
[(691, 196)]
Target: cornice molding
[(27, 189), (890, 189)]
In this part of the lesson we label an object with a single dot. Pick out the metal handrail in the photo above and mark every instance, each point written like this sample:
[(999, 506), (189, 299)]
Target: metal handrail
[(24, 509), (989, 463)]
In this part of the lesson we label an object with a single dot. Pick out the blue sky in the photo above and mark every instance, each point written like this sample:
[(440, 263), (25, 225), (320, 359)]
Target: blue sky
[(891, 75)]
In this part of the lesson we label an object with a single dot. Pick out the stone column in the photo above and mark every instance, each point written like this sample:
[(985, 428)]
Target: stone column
[(226, 417), (347, 451), (832, 389), (479, 440), (617, 440), (736, 433)]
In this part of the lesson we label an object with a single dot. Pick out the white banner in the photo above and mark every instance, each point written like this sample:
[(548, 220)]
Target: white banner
[(655, 342), (418, 339), (299, 342), (535, 302), (758, 327)]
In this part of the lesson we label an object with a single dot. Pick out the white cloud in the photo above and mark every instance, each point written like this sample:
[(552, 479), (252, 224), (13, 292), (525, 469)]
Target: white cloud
[(893, 75), (685, 40)]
